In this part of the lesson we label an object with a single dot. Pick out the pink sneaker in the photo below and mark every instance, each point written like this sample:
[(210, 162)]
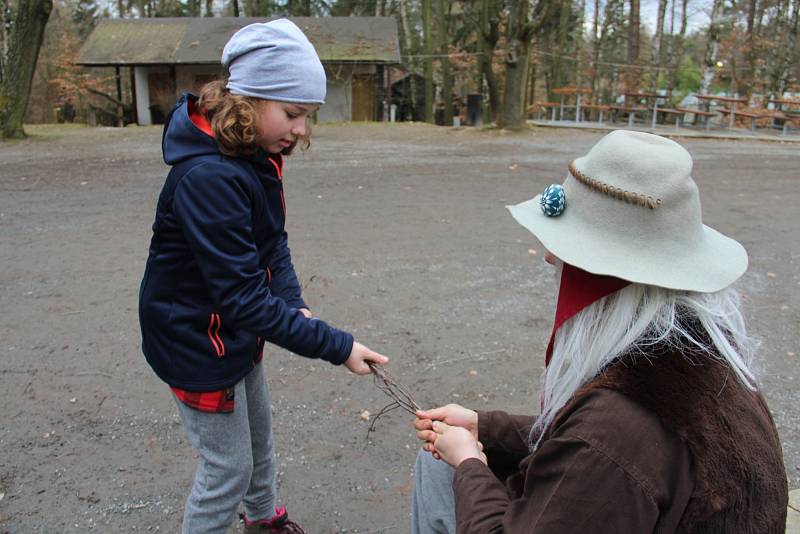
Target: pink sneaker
[(280, 524)]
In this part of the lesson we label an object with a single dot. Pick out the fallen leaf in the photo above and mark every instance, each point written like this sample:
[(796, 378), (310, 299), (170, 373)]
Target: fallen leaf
[(365, 415)]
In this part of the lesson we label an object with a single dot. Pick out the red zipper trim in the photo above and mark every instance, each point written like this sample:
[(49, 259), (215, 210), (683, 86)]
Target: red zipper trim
[(213, 334), (278, 168)]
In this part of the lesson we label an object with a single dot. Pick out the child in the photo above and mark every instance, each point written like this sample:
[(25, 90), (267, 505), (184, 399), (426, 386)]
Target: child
[(219, 281)]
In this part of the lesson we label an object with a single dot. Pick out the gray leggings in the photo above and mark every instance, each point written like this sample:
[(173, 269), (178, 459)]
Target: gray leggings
[(433, 506), (237, 459)]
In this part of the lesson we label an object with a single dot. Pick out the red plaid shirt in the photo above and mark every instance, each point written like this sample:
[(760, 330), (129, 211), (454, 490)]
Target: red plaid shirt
[(220, 401)]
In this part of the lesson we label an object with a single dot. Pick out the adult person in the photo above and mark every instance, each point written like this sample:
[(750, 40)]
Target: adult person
[(651, 417)]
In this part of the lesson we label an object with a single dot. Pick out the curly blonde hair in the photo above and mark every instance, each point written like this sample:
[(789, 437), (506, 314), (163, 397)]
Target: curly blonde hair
[(233, 120)]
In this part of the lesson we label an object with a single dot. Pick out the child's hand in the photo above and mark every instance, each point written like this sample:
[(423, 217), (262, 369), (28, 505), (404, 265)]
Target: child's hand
[(306, 312), (360, 356)]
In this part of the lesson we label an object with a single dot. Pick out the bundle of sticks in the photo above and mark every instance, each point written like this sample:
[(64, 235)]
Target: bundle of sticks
[(400, 394)]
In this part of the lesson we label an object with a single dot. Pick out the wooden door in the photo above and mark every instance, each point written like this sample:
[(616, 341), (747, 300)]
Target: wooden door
[(363, 97)]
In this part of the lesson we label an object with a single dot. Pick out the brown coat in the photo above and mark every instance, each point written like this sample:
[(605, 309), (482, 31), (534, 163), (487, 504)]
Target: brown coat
[(657, 444)]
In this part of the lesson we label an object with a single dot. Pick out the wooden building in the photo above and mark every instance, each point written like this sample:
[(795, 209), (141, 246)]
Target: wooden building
[(166, 56)]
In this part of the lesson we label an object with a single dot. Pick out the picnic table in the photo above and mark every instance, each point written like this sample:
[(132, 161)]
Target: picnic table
[(543, 107), (565, 92), (651, 100), (788, 111), (731, 101), (781, 102), (697, 113)]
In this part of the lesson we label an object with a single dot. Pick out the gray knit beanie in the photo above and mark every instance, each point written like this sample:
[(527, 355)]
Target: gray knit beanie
[(274, 61)]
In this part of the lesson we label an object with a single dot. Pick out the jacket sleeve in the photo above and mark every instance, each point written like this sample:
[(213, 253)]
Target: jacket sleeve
[(213, 207), (607, 465), (284, 279), (569, 487), (504, 435)]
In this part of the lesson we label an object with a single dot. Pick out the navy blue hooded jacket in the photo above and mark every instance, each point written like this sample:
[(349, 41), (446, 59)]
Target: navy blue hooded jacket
[(219, 279)]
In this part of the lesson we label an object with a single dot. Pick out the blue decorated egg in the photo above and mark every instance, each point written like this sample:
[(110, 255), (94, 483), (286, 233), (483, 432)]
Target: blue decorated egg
[(553, 200)]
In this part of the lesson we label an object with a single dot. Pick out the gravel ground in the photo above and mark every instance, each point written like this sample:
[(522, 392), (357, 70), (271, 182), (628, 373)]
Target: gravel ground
[(399, 234)]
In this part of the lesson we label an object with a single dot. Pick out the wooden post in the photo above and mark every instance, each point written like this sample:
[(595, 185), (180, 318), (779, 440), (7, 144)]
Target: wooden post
[(120, 108), (134, 108)]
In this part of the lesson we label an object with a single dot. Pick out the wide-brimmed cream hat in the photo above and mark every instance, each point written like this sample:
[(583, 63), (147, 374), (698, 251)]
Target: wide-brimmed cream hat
[(630, 209)]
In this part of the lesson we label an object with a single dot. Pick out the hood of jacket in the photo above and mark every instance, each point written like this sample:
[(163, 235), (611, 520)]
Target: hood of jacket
[(182, 139)]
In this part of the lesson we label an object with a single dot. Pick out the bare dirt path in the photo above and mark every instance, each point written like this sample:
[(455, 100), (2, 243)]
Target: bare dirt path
[(400, 235)]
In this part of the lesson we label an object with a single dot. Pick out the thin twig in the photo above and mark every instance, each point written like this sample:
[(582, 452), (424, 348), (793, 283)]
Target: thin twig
[(386, 409), (400, 394), (394, 389)]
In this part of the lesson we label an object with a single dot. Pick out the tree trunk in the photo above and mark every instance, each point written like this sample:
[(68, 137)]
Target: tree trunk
[(752, 31), (781, 77), (579, 43), (21, 36), (428, 60), (657, 48), (487, 40), (444, 44), (410, 50), (632, 76), (677, 53), (596, 45), (561, 36), (712, 46), (521, 30)]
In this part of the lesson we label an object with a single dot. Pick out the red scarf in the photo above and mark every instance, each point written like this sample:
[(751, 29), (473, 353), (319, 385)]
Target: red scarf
[(578, 290)]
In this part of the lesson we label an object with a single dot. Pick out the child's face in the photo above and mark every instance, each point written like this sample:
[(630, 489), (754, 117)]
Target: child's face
[(281, 124)]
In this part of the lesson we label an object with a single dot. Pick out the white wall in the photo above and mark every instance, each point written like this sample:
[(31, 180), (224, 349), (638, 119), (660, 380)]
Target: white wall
[(142, 95), (338, 103)]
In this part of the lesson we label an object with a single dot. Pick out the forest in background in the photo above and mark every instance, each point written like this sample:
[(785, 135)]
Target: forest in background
[(513, 52)]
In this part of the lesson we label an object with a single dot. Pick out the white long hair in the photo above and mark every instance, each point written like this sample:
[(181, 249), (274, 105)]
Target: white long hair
[(632, 320)]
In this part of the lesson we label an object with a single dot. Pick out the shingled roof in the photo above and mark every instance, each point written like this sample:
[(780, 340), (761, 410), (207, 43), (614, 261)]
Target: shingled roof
[(187, 41)]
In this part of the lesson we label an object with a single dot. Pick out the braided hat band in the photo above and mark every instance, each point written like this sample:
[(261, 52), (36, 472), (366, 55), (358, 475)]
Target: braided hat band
[(615, 192)]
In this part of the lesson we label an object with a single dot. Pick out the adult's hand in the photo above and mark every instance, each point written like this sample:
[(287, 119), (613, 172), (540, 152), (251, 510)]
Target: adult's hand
[(454, 444), (452, 414), (360, 356)]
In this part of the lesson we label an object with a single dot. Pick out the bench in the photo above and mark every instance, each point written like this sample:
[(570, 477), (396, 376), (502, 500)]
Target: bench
[(542, 106), (753, 117), (600, 108), (788, 119), (630, 110), (669, 111), (706, 115)]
